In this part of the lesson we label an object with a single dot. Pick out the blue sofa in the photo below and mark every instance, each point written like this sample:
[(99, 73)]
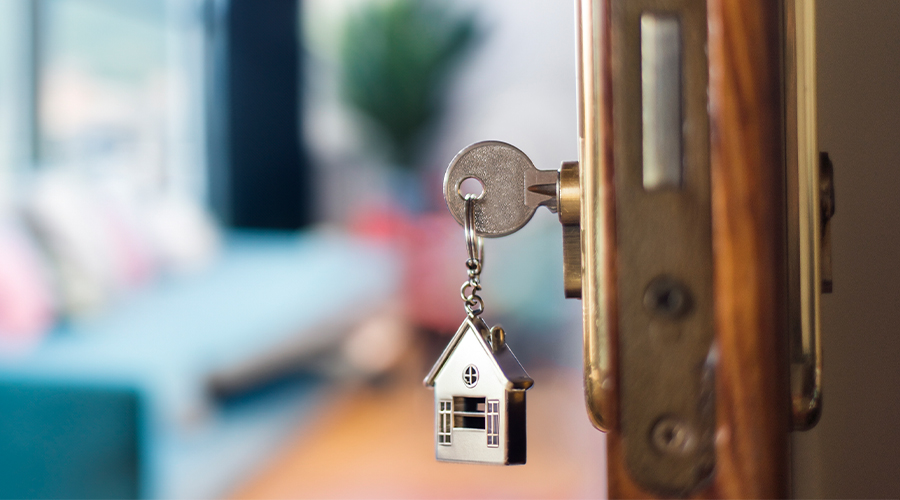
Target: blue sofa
[(132, 404)]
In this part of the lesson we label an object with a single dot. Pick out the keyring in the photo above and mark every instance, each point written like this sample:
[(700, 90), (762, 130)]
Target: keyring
[(473, 242)]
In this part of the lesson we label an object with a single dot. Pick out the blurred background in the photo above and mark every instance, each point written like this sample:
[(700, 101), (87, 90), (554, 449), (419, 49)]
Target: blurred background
[(225, 260), (226, 264)]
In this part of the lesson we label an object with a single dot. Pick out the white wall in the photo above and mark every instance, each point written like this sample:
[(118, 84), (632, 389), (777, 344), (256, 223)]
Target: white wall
[(854, 452), (520, 87)]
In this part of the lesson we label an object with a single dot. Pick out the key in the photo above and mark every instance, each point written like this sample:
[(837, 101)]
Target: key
[(513, 187)]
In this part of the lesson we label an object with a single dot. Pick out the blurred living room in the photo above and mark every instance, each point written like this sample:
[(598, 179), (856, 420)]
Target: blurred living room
[(226, 260), (227, 264)]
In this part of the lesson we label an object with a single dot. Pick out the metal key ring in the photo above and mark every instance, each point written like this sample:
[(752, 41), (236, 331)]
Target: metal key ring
[(474, 242)]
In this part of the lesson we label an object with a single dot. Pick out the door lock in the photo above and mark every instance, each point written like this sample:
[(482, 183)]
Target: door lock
[(513, 191), (637, 228)]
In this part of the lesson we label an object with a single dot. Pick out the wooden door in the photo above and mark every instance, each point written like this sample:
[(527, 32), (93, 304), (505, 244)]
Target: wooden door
[(747, 244)]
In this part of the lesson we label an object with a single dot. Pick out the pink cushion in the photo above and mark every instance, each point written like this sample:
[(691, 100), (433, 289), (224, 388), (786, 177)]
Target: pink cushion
[(27, 303)]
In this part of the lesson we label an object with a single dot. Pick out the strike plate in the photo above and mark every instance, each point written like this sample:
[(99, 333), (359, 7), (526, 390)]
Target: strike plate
[(664, 247)]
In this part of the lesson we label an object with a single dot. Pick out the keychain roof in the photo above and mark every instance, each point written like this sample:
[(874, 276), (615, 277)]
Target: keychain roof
[(504, 361)]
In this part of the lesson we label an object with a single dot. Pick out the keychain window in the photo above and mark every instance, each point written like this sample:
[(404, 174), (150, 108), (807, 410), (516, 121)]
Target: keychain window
[(469, 413)]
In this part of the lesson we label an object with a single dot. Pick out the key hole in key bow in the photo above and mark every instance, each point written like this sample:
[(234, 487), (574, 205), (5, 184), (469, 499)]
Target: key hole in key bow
[(470, 185)]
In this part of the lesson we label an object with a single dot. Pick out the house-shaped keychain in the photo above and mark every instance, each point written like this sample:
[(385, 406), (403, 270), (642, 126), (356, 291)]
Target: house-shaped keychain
[(479, 398)]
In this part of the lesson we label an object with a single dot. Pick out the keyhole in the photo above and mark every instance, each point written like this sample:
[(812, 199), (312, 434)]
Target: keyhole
[(470, 185)]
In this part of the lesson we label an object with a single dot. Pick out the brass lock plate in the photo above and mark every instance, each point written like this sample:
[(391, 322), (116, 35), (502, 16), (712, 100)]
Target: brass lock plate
[(663, 241), (645, 229)]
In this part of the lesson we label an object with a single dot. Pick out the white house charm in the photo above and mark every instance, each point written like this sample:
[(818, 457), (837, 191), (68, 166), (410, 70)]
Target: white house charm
[(479, 385), (479, 398)]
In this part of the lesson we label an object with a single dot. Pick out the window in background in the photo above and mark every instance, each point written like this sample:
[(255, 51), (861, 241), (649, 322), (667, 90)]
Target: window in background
[(120, 90), (16, 72)]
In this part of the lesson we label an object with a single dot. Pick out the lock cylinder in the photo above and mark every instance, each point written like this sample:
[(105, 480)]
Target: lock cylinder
[(568, 195)]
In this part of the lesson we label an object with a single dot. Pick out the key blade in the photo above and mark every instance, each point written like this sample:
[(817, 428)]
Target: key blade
[(540, 188)]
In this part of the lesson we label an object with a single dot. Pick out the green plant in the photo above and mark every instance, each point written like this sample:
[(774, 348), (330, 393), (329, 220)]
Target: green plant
[(396, 58)]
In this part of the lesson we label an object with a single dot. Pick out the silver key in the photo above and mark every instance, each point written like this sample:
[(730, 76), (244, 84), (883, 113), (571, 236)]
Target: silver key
[(513, 187)]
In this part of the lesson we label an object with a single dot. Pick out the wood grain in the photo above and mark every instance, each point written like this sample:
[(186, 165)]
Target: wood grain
[(752, 400), (749, 251)]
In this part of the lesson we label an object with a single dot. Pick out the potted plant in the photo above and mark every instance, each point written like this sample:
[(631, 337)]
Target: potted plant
[(396, 59)]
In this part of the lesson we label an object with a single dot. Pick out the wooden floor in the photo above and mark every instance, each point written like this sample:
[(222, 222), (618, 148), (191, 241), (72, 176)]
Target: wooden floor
[(378, 443)]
